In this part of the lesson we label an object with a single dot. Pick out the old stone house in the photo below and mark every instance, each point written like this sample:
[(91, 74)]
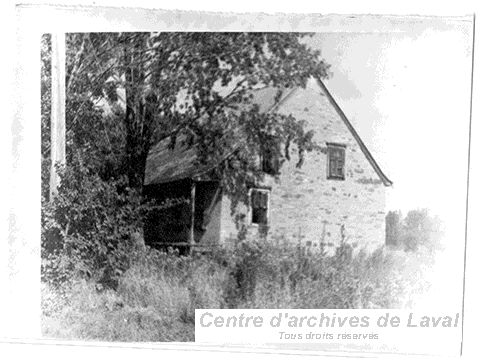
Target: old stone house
[(338, 193)]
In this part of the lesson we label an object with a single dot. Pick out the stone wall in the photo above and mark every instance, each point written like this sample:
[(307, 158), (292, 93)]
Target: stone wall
[(304, 204)]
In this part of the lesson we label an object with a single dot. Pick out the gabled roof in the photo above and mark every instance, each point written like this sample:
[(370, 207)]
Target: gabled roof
[(167, 165)]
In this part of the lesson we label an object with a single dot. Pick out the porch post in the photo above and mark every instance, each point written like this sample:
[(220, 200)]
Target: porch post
[(192, 219)]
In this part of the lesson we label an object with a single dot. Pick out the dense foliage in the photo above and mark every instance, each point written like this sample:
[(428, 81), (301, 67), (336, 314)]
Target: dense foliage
[(127, 91), (91, 229)]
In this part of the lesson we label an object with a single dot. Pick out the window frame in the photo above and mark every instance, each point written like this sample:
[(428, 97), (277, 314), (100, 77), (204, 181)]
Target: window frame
[(250, 206), (268, 157), (271, 157), (336, 147)]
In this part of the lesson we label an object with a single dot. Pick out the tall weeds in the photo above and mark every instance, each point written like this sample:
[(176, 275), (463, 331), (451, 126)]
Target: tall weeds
[(156, 298)]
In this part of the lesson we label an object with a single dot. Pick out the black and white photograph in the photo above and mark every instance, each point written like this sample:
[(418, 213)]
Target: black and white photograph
[(254, 161)]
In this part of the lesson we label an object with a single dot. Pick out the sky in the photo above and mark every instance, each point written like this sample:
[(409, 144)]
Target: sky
[(405, 86)]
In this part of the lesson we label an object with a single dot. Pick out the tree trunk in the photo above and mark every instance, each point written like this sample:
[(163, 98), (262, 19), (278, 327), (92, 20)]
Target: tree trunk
[(136, 162), (139, 125), (139, 116)]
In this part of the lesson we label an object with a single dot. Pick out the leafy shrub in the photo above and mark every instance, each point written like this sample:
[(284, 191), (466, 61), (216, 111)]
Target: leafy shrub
[(90, 229)]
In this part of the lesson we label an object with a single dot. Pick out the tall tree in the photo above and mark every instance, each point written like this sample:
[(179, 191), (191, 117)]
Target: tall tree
[(189, 86)]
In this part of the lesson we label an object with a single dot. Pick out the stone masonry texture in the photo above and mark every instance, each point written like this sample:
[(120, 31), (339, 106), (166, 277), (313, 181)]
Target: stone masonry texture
[(307, 207)]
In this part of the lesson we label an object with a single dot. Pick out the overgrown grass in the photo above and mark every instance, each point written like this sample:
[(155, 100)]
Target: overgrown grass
[(156, 298)]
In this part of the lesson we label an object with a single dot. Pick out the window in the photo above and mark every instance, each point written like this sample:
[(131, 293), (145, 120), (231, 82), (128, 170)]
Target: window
[(259, 201), (270, 155), (270, 162), (336, 161)]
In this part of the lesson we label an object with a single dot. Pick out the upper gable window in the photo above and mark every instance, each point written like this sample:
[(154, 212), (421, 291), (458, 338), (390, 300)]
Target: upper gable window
[(336, 161)]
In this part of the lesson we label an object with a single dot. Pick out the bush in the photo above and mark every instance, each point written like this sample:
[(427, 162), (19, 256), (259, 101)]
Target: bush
[(91, 229)]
